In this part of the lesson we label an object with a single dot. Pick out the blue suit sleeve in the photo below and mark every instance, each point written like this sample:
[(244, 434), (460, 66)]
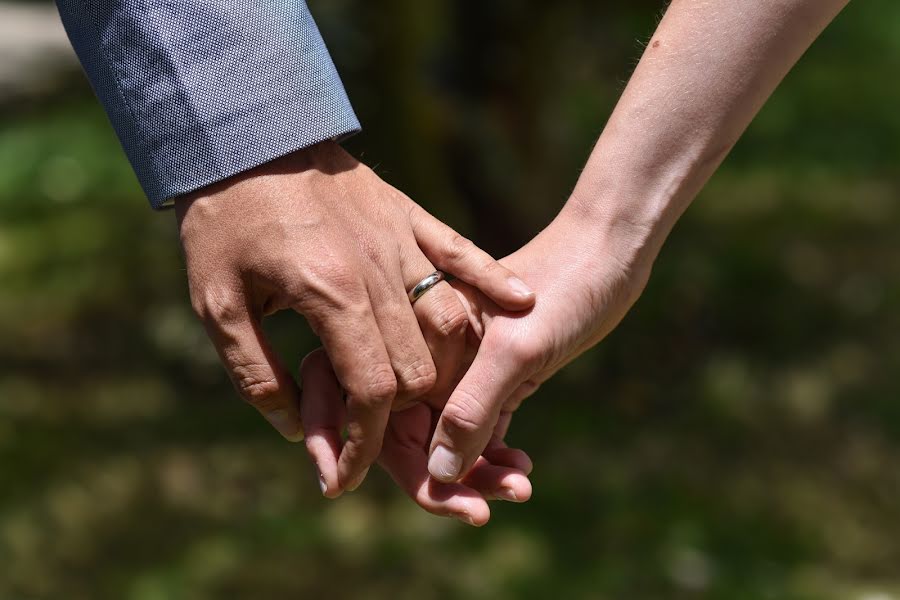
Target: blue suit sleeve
[(200, 90)]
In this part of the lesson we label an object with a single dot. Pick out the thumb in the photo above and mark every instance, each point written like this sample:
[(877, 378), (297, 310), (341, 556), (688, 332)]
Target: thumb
[(472, 411), (453, 253)]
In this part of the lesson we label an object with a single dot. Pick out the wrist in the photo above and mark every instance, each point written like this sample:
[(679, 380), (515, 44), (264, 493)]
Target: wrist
[(632, 192), (327, 156)]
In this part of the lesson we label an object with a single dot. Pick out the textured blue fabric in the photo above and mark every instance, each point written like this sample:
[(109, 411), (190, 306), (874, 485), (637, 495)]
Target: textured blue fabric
[(199, 90)]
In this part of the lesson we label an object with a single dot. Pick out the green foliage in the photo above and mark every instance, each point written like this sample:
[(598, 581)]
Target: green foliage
[(736, 438)]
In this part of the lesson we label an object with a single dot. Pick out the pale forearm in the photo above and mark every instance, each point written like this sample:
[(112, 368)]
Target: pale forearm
[(707, 71), (705, 74)]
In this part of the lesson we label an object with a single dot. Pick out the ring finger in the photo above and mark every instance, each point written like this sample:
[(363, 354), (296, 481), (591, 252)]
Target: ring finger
[(443, 321)]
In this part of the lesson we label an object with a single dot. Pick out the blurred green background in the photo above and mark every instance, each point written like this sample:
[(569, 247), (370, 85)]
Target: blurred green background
[(738, 436)]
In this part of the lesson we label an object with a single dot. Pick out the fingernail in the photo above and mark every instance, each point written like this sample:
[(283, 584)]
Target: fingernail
[(444, 464), (286, 425), (358, 482), (507, 494), (519, 287), (322, 485)]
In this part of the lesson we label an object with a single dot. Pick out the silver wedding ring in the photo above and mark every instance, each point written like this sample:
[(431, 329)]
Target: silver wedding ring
[(423, 286)]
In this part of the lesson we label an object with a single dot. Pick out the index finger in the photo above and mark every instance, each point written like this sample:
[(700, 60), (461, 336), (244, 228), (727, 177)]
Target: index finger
[(453, 253)]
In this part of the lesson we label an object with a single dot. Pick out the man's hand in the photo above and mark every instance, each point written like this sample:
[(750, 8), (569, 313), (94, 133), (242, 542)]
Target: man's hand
[(319, 233)]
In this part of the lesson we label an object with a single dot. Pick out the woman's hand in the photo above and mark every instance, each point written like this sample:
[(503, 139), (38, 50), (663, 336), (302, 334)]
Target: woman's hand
[(586, 279), (707, 70)]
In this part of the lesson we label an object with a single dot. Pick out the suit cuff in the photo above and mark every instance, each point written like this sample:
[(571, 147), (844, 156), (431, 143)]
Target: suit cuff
[(198, 92)]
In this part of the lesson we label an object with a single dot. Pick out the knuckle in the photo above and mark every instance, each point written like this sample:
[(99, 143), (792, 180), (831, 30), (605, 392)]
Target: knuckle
[(340, 278), (458, 247), (491, 267), (215, 305), (452, 320), (331, 281), (372, 250), (419, 378), (466, 415), (526, 352), (377, 389), (260, 391)]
